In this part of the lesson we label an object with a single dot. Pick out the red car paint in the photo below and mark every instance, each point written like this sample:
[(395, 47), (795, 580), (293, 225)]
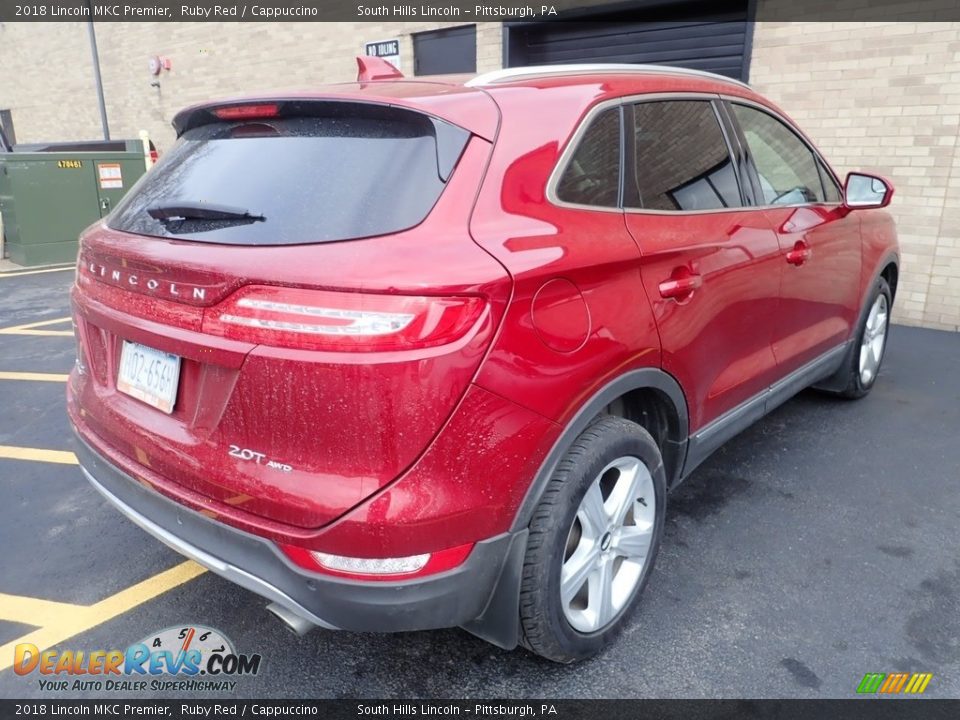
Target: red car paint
[(397, 452)]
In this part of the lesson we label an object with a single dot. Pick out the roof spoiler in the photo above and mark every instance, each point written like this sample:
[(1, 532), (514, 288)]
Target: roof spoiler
[(374, 68)]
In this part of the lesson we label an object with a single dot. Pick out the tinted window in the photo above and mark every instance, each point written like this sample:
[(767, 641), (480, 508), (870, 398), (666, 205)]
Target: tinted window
[(786, 166), (313, 179), (592, 177), (682, 162)]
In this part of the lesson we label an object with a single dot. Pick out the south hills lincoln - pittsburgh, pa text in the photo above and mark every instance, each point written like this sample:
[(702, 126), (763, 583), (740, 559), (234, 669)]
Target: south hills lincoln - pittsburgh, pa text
[(478, 11)]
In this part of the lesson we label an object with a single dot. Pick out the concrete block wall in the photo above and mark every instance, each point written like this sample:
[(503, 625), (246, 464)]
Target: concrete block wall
[(47, 74), (873, 96), (883, 97)]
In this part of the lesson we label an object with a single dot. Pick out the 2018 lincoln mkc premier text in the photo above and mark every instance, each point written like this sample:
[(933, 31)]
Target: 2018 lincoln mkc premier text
[(404, 354)]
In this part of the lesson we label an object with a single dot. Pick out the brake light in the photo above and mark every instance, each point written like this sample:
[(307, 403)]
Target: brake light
[(248, 112), (398, 568), (326, 320)]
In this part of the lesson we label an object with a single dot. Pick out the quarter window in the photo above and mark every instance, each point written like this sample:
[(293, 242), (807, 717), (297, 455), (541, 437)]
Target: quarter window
[(831, 190), (592, 177), (786, 166), (682, 160)]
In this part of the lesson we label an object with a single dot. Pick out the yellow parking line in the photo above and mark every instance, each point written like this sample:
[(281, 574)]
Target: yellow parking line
[(147, 590), (39, 333), (39, 377), (31, 328), (63, 457), (40, 323), (34, 611), (34, 272), (80, 618)]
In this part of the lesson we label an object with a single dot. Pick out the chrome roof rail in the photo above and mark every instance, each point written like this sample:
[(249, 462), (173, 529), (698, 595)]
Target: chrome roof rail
[(509, 74)]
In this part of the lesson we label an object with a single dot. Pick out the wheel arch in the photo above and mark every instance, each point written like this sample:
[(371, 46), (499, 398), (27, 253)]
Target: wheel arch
[(889, 269), (642, 391), (891, 273), (649, 396)]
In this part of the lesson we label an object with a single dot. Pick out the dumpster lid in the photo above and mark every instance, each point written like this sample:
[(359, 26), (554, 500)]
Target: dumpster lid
[(75, 146)]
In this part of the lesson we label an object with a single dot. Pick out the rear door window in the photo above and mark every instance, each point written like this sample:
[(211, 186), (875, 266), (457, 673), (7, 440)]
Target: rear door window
[(302, 179), (682, 162)]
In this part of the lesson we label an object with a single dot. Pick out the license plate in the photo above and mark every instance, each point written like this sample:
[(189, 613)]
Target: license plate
[(149, 375)]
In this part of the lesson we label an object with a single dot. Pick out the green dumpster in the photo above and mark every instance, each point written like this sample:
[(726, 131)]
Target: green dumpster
[(50, 192)]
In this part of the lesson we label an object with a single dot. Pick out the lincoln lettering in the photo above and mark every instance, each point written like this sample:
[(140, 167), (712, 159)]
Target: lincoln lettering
[(152, 284)]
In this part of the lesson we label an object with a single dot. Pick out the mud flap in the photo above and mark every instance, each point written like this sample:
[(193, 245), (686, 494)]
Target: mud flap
[(499, 623)]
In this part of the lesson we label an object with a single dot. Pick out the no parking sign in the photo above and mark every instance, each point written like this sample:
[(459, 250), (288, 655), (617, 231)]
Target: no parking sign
[(388, 50)]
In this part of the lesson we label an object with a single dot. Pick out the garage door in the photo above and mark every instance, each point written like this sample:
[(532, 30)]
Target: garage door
[(716, 42)]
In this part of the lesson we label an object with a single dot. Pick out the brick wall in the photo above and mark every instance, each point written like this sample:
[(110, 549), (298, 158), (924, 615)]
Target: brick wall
[(883, 97), (874, 96), (47, 76)]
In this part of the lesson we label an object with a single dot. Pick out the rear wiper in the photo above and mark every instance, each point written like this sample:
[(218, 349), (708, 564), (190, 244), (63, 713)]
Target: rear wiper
[(182, 210)]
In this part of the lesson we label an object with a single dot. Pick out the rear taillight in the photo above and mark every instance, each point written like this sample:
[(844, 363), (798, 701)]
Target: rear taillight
[(398, 568), (326, 320)]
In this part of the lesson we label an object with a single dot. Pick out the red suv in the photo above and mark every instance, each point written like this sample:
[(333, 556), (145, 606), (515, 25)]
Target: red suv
[(408, 354)]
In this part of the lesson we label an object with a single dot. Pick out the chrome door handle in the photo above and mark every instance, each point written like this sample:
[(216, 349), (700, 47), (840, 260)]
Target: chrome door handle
[(677, 287)]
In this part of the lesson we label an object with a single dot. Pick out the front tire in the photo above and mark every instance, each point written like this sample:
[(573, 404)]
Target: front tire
[(871, 343), (593, 541)]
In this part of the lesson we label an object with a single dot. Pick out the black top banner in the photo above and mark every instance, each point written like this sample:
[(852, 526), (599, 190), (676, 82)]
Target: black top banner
[(865, 709), (463, 11)]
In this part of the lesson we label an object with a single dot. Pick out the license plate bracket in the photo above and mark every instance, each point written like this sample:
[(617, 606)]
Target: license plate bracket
[(149, 375)]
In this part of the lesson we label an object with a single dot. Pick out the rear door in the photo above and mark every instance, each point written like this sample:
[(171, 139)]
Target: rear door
[(711, 267), (819, 242)]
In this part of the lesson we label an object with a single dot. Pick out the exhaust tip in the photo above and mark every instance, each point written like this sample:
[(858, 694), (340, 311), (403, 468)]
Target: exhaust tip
[(298, 625)]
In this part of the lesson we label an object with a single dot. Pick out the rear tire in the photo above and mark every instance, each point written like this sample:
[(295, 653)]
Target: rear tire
[(593, 541), (871, 343)]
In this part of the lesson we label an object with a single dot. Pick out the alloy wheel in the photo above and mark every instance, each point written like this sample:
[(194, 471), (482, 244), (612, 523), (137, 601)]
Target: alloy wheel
[(608, 545), (874, 339)]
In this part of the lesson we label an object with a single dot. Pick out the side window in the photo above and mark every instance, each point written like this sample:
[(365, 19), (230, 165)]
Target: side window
[(786, 166), (592, 177), (682, 161)]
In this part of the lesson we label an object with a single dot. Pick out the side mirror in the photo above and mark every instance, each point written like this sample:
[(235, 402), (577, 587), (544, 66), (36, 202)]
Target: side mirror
[(866, 191)]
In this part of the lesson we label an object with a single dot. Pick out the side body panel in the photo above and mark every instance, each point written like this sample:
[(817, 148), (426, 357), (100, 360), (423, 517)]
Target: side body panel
[(579, 316), (716, 342), (820, 298)]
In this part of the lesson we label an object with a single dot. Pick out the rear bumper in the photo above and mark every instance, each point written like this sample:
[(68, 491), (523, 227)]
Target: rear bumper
[(453, 598)]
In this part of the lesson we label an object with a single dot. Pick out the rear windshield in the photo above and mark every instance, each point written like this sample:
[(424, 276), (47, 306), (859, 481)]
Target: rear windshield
[(301, 179)]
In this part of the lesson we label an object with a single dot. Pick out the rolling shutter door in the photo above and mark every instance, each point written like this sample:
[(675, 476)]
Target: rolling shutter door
[(716, 43)]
